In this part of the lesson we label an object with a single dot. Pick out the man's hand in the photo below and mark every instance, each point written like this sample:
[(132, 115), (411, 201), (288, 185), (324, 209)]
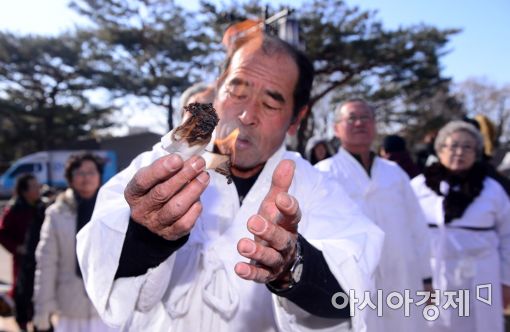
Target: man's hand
[(273, 249), (164, 196)]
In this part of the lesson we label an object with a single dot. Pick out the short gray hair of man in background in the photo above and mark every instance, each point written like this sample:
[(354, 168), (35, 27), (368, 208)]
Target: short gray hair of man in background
[(338, 109)]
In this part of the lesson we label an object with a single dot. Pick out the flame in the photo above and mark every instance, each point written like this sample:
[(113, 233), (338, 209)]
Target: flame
[(227, 145), (241, 29)]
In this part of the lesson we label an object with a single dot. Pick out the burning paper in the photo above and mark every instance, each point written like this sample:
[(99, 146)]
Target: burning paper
[(193, 136)]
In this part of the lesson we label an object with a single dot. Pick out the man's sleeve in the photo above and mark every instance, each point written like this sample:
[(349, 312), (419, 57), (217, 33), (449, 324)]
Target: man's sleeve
[(419, 231), (143, 250), (7, 231)]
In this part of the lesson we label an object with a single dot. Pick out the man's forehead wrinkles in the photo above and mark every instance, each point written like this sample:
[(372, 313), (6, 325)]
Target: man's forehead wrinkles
[(237, 81), (248, 76), (258, 72), (356, 109), (356, 113)]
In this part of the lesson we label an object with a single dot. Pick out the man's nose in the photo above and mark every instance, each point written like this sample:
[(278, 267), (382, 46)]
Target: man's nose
[(359, 121), (248, 115)]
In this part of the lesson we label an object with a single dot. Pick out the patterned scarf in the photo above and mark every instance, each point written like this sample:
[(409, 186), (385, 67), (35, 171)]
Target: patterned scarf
[(464, 187), (85, 207)]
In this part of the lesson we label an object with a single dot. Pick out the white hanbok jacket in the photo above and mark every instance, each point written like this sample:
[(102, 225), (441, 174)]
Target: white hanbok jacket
[(196, 288), (464, 258), (387, 198), (57, 288)]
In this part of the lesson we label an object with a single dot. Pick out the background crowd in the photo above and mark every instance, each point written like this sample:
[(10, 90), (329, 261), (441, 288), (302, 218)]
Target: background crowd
[(444, 213), (450, 206)]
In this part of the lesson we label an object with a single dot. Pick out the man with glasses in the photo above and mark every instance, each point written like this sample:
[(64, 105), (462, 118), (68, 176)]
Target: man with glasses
[(382, 190)]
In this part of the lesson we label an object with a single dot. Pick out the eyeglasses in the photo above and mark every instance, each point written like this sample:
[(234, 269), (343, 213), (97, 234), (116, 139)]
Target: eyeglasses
[(463, 148), (84, 174), (353, 119)]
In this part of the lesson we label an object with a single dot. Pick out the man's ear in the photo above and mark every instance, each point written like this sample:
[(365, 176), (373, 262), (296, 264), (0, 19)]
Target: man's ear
[(294, 125), (336, 129)]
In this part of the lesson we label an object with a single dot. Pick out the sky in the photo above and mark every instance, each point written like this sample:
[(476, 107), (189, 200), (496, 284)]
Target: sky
[(481, 50)]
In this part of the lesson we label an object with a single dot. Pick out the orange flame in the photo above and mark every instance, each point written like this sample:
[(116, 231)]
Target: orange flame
[(227, 145), (241, 29)]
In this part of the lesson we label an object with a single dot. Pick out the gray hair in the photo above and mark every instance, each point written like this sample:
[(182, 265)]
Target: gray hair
[(456, 126), (191, 91), (338, 109)]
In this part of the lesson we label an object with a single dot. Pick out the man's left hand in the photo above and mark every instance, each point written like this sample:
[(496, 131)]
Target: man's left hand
[(273, 249)]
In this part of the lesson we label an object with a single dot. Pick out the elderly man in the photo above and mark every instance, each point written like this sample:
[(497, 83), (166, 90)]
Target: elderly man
[(173, 248), (383, 191)]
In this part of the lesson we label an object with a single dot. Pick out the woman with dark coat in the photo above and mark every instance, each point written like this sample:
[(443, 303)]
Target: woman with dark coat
[(19, 234)]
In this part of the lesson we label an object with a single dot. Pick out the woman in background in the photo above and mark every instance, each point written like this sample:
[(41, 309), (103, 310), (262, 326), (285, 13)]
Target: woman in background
[(59, 286), (318, 150), (468, 213)]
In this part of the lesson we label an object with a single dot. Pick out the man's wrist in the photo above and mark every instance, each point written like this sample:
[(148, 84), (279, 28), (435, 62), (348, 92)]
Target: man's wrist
[(427, 280), (292, 274), (143, 249), (317, 286)]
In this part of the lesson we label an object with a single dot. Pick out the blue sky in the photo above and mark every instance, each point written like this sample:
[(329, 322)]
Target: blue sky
[(481, 50)]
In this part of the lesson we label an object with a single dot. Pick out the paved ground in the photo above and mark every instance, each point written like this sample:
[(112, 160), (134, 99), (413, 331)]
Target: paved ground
[(5, 265), (9, 324), (6, 324)]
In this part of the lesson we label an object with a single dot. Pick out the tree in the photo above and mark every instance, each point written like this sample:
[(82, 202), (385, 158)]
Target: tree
[(43, 100), (354, 56), (481, 96), (145, 49), (154, 49)]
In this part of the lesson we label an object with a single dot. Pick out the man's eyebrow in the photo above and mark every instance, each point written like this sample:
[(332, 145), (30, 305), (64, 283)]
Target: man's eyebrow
[(237, 81), (276, 96)]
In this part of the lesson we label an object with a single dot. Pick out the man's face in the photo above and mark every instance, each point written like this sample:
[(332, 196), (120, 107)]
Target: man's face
[(256, 97), (356, 126)]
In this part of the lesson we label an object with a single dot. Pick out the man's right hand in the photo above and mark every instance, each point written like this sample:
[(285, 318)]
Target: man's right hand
[(165, 196)]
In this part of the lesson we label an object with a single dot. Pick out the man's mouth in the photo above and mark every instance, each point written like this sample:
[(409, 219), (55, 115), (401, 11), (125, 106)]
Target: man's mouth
[(243, 142)]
